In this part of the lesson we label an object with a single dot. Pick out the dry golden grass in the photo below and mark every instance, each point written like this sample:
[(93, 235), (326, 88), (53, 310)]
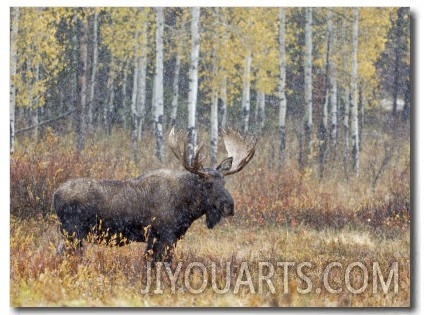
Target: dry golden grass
[(107, 276), (282, 215)]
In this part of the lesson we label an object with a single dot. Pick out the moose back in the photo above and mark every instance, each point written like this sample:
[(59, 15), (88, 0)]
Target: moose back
[(157, 207)]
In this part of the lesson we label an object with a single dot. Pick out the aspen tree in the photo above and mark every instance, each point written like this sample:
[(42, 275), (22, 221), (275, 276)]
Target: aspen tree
[(282, 84), (13, 65), (193, 81), (158, 85), (354, 89)]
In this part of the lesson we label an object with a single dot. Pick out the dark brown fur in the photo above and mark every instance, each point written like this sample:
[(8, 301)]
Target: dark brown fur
[(157, 207)]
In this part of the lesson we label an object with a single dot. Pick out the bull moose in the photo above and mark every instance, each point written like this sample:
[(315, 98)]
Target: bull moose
[(157, 207)]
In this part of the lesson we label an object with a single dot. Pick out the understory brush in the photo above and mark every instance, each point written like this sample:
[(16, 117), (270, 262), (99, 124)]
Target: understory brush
[(283, 213), (118, 276)]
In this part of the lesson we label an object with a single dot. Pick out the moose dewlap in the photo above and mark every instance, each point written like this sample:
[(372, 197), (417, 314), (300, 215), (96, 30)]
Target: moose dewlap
[(157, 207)]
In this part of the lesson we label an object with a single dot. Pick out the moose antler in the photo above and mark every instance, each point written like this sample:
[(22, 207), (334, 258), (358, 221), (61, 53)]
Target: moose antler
[(196, 167), (240, 149)]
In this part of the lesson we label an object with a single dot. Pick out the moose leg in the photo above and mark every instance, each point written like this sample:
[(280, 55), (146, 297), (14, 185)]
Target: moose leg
[(73, 226), (158, 251), (149, 248), (72, 240), (163, 250)]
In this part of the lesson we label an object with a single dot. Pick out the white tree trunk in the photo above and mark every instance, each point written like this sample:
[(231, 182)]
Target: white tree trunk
[(124, 96), (332, 79), (214, 106), (346, 99), (308, 80), (175, 89), (134, 100), (222, 106), (354, 88), (35, 108), (135, 84), (282, 84), (134, 115), (246, 92), (158, 85), (333, 109), (29, 97), (323, 128), (109, 108), (261, 110), (325, 111), (34, 113), (255, 116), (75, 63), (142, 83), (141, 96), (324, 122), (82, 81), (13, 66), (223, 96), (323, 134), (138, 98), (214, 128), (93, 68), (346, 116), (193, 81), (361, 109)]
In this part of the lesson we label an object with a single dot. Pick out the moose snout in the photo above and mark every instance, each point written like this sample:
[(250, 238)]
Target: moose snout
[(229, 208)]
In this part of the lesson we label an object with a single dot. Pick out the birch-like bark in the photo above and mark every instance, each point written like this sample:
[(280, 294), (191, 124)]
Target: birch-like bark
[(332, 80), (124, 96), (93, 68), (158, 85), (223, 107), (361, 114), (193, 81), (323, 129), (346, 101), (282, 85), (246, 92), (396, 75), (82, 81), (35, 109), (109, 108), (75, 66), (324, 121), (13, 66), (141, 96), (138, 98), (307, 120), (134, 94), (354, 88), (134, 131), (175, 88), (214, 128), (323, 135), (333, 109), (135, 85), (346, 116), (256, 113), (261, 111), (214, 105), (142, 83)]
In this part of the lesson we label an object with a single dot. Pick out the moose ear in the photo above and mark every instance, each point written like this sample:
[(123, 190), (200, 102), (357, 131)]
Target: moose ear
[(225, 165)]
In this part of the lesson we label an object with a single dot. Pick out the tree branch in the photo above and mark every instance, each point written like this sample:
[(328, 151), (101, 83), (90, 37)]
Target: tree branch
[(45, 122)]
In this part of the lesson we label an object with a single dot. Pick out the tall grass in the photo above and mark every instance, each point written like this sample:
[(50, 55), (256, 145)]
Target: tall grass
[(283, 213)]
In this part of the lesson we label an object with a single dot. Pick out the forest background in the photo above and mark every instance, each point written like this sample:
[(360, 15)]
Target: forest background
[(94, 89)]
